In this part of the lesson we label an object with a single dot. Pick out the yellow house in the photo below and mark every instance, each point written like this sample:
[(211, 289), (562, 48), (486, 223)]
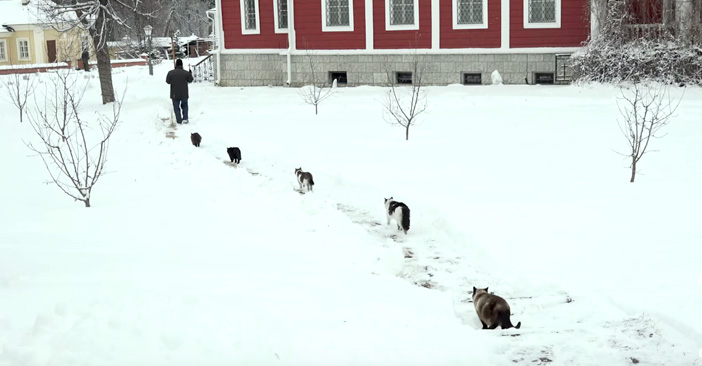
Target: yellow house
[(24, 40)]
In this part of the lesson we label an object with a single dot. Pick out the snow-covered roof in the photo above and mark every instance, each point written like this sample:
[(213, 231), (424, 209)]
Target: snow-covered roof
[(159, 42), (12, 12)]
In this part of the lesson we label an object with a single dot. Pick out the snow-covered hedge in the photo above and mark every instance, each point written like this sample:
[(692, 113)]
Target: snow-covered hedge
[(610, 62)]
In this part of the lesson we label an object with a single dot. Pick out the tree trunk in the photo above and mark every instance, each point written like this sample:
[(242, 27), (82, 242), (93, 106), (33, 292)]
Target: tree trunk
[(407, 132), (633, 171), (103, 59), (598, 16), (104, 71), (87, 202), (315, 108)]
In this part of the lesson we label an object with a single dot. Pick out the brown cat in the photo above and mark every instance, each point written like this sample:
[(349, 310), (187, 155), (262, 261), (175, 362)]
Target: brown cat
[(492, 310)]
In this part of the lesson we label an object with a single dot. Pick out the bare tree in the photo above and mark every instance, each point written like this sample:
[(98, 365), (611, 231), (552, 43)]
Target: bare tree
[(19, 87), (73, 149), (645, 109), (403, 104), (97, 17), (319, 87), (188, 16)]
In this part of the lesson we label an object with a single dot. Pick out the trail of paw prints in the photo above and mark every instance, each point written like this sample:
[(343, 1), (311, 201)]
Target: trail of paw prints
[(365, 219), (413, 270)]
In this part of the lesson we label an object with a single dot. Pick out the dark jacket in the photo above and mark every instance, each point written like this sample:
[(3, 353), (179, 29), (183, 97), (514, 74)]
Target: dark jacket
[(179, 79)]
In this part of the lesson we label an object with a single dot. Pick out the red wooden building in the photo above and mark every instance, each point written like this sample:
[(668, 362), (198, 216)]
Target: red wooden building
[(367, 42)]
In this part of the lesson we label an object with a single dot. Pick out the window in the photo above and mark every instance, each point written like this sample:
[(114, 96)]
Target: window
[(401, 15), (337, 15), (543, 78), (249, 17), (542, 13), (403, 77), (470, 14), (280, 13), (472, 78), (339, 76), (23, 49), (3, 50)]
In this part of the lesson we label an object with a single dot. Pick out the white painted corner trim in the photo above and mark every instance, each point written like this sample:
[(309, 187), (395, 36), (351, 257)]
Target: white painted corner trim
[(556, 24), (370, 28), (245, 31), (504, 24), (336, 28), (390, 27), (435, 24), (454, 16)]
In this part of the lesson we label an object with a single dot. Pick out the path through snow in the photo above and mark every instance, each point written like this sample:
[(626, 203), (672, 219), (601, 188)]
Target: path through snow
[(435, 256)]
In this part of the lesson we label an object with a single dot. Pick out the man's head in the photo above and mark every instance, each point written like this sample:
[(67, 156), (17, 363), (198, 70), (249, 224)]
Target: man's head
[(179, 63)]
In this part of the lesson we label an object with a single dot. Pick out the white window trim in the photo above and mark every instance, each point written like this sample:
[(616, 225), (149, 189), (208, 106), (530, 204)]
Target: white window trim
[(6, 58), (336, 28), (556, 24), (243, 18), (275, 17), (483, 25), (414, 26), (19, 52)]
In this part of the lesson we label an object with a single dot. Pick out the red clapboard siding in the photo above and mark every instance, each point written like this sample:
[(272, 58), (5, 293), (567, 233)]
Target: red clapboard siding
[(470, 38), (308, 27), (402, 39), (574, 27), (231, 22)]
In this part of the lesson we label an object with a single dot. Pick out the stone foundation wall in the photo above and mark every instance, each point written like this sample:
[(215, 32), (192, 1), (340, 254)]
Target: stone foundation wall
[(262, 70)]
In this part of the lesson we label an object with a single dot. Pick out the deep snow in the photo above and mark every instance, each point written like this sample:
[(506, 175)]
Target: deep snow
[(184, 259)]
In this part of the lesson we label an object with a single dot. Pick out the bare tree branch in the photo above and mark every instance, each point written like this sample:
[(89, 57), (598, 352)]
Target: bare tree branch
[(319, 89), (73, 151), (645, 109), (19, 87), (403, 105)]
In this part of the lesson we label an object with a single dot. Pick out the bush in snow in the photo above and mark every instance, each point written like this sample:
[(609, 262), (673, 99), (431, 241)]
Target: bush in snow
[(631, 47), (642, 59)]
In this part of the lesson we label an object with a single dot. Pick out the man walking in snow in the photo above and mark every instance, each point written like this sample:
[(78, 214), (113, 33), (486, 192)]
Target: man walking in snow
[(179, 80)]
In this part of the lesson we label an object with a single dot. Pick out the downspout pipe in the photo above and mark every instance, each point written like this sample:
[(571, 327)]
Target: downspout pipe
[(291, 39), (219, 33)]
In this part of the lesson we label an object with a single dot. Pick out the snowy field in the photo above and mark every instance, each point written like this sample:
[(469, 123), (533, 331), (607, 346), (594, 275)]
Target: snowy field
[(185, 259)]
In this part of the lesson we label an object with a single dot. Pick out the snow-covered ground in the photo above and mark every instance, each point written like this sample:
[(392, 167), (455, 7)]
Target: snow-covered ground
[(185, 259)]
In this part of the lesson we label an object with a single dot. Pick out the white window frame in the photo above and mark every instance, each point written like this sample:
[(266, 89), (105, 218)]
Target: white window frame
[(389, 27), (276, 15), (336, 28), (242, 4), (483, 25), (4, 47), (19, 50), (556, 24)]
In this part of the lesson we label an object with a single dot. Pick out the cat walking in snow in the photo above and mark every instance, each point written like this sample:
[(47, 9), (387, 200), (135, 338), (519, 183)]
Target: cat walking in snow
[(399, 212), (304, 179)]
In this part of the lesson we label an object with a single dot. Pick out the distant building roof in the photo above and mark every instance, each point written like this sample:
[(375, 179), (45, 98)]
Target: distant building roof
[(158, 42)]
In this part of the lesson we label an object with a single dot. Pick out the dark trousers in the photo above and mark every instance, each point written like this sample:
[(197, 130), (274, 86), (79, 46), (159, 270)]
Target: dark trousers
[(178, 105)]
